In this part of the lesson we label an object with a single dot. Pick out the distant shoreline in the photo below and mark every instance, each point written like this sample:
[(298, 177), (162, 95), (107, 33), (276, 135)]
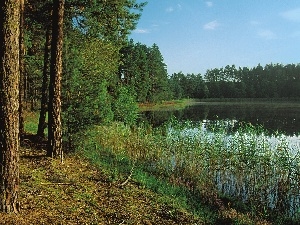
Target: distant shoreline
[(181, 104)]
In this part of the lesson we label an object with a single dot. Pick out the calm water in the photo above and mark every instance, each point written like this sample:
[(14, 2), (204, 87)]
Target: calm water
[(283, 117)]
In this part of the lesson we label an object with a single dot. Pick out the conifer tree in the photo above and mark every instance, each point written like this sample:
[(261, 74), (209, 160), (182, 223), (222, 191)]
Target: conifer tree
[(22, 69), (9, 104), (54, 117)]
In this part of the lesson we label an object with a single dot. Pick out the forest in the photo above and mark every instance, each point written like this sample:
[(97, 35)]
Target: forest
[(60, 58), (74, 64), (144, 71)]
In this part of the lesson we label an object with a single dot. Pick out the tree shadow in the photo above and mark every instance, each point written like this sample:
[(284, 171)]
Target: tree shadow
[(33, 146)]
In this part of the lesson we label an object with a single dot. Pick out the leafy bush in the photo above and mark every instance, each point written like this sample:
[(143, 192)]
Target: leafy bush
[(88, 76), (125, 106)]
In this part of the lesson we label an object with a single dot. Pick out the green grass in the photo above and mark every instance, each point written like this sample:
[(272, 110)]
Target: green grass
[(31, 122), (167, 105), (184, 167), (118, 167)]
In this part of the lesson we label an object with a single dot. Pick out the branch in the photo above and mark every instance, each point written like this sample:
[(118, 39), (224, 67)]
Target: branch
[(129, 177), (56, 183)]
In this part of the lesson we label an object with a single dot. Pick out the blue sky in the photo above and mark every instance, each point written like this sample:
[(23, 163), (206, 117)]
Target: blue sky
[(196, 35)]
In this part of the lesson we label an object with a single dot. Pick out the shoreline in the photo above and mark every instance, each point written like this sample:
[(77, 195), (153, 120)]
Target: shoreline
[(181, 104)]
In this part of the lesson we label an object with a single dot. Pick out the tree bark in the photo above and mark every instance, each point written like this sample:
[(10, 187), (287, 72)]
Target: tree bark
[(54, 107), (22, 70), (9, 104), (45, 87)]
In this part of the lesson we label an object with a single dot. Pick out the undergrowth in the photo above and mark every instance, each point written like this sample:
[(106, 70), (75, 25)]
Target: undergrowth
[(180, 167), (181, 170), (77, 192)]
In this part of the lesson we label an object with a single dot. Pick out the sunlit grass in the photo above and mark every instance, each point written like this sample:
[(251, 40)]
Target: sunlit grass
[(31, 122), (108, 148), (167, 105)]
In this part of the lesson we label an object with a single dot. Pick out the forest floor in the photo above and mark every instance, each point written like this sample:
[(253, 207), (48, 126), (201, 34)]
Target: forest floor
[(75, 192)]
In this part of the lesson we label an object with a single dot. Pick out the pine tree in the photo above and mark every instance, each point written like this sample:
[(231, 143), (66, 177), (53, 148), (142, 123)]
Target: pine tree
[(158, 76), (45, 85), (54, 117), (22, 69), (9, 104)]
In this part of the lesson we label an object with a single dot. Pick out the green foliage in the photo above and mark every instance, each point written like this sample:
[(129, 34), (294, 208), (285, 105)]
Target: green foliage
[(144, 71), (108, 20), (188, 86), (86, 97), (88, 108), (94, 32), (271, 81), (125, 106), (159, 89)]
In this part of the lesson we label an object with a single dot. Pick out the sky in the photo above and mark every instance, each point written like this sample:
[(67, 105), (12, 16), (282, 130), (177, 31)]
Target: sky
[(196, 35)]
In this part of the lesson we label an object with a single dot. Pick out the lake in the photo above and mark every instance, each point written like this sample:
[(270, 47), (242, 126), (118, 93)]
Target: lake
[(282, 116), (245, 166)]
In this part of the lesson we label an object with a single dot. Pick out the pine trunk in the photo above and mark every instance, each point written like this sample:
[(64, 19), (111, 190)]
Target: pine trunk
[(44, 100), (9, 104), (54, 111), (22, 70)]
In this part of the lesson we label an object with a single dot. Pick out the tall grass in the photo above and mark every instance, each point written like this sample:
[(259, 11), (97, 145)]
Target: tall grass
[(119, 151), (213, 163)]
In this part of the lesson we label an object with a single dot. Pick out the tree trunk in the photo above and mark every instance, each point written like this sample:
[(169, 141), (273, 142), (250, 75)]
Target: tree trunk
[(22, 70), (9, 104), (54, 107), (45, 87)]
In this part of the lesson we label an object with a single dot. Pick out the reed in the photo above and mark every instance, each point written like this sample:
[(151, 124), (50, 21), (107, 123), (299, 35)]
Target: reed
[(213, 162)]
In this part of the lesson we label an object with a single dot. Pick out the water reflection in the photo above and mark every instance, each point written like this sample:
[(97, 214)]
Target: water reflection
[(246, 164), (273, 117), (256, 167)]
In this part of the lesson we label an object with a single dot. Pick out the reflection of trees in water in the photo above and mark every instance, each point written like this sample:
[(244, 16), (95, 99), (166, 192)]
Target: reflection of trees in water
[(156, 118), (285, 120)]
